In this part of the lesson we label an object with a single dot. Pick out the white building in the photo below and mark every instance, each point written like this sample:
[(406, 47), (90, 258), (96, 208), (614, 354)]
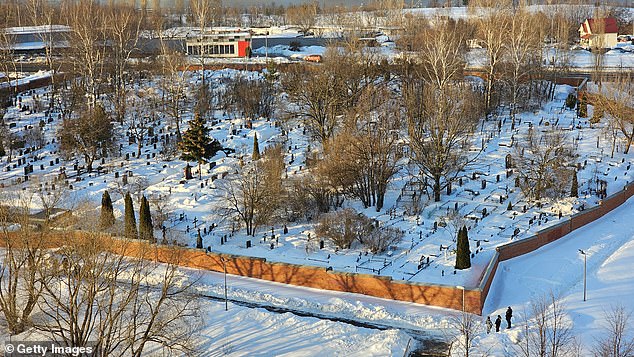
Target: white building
[(599, 33)]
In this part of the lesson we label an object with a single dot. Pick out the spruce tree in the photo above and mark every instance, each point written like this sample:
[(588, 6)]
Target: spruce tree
[(463, 255), (574, 190), (199, 241), (106, 220), (145, 221), (256, 148), (197, 145), (130, 220)]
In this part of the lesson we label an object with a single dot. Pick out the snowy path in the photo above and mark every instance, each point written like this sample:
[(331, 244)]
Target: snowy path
[(558, 267), (356, 308)]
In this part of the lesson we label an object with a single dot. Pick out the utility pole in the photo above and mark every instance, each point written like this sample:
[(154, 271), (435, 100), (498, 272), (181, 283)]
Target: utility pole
[(585, 256)]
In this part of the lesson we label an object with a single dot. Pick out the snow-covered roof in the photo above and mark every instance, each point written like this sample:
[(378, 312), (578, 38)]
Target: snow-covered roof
[(36, 29)]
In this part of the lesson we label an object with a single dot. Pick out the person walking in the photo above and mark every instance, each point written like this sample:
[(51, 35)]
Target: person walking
[(509, 314), (498, 322), (489, 324)]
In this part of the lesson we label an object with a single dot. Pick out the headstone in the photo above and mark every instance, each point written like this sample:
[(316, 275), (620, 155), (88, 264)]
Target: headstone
[(248, 244)]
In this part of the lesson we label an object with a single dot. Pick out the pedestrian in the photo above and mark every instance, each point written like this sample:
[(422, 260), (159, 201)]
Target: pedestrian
[(498, 322), (489, 324), (509, 314)]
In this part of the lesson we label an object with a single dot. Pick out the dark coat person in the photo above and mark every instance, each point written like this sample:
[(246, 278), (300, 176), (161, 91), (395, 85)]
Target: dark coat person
[(509, 314), (498, 322)]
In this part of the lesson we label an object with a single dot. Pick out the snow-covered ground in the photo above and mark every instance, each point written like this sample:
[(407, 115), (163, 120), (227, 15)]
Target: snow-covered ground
[(192, 204), (558, 268)]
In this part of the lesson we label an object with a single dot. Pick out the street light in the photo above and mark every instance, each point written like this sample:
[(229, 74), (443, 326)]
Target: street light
[(462, 288), (224, 265), (585, 256)]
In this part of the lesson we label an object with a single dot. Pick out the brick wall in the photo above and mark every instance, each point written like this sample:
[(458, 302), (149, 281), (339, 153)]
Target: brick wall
[(550, 234), (378, 286)]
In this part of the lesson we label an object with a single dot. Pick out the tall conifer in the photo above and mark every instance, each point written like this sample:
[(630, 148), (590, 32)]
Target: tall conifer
[(106, 220), (130, 220), (463, 254), (197, 145), (146, 231)]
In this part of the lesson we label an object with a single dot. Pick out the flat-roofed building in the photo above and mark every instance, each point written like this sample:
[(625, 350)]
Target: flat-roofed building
[(219, 44)]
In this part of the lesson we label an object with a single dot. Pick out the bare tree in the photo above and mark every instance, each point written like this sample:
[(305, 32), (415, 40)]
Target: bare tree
[(364, 157), (438, 50), (616, 100), (440, 123), (493, 29), (618, 341), (90, 135), (50, 197), (522, 57), (547, 333), (322, 95), (173, 87), (253, 194), (139, 119), (122, 304), (304, 16), (23, 254), (342, 228), (204, 13), (316, 94), (467, 327), (123, 27), (543, 163), (86, 19)]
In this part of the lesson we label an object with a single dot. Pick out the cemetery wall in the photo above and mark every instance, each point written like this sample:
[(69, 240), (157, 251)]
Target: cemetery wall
[(373, 285)]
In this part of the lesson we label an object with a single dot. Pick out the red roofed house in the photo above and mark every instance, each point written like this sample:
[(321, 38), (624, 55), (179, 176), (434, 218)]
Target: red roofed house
[(599, 33)]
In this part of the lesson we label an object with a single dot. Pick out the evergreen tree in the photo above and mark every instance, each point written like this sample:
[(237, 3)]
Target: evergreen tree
[(197, 145), (130, 220), (256, 148), (509, 207), (574, 190), (199, 241), (146, 231), (106, 220), (463, 255)]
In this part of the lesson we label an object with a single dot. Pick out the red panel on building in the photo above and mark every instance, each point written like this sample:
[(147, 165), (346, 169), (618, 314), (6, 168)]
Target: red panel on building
[(242, 48)]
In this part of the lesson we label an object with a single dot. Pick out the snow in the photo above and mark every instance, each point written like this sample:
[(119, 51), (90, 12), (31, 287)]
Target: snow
[(284, 51), (244, 331), (192, 206), (558, 268)]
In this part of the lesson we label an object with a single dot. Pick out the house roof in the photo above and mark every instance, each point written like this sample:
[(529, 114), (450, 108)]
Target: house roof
[(609, 24)]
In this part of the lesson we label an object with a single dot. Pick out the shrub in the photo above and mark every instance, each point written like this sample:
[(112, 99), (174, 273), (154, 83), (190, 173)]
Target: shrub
[(379, 239), (342, 228)]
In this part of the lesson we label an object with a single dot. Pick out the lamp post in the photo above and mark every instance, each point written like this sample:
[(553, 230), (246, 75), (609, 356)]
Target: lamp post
[(462, 288), (585, 256), (224, 266)]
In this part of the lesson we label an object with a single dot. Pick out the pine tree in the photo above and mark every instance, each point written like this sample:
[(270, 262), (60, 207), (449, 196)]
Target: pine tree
[(146, 231), (574, 190), (130, 220), (256, 148), (197, 145), (463, 254), (199, 241), (106, 220), (509, 207)]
